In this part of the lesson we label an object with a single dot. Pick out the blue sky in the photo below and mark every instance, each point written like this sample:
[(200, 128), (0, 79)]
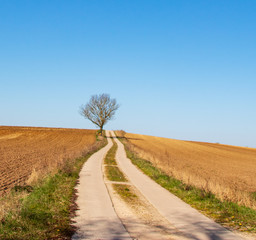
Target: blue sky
[(179, 69)]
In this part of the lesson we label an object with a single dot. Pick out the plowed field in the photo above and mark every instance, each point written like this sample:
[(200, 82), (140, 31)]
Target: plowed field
[(227, 171), (27, 149)]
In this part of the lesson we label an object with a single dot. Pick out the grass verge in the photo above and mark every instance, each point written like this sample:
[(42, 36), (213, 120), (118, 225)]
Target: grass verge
[(114, 174), (43, 212), (125, 192), (110, 157), (227, 213)]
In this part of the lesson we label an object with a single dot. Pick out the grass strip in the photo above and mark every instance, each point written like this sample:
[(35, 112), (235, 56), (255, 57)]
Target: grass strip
[(226, 213), (110, 157), (114, 174), (125, 192), (45, 212)]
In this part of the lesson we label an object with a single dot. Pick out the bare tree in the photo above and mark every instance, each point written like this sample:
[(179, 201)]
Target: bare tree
[(99, 110)]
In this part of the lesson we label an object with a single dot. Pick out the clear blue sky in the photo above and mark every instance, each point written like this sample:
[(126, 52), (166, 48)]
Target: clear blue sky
[(179, 69)]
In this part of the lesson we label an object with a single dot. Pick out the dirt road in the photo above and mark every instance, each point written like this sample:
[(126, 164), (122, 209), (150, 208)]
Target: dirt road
[(186, 219), (96, 217), (100, 217)]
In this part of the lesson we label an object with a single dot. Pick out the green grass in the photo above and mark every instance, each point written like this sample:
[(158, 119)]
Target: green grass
[(227, 213), (44, 213), (114, 174), (125, 192), (110, 157)]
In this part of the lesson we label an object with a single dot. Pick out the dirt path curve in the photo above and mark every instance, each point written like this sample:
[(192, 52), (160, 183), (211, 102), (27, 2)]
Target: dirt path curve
[(189, 221), (96, 217)]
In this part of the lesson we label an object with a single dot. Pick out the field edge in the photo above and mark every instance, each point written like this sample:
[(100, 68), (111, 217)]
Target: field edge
[(230, 215), (46, 211)]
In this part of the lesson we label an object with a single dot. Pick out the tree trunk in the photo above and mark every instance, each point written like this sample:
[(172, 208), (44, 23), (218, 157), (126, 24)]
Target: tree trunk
[(101, 130)]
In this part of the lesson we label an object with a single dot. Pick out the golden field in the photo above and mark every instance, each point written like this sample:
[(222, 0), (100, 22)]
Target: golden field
[(227, 171), (27, 151)]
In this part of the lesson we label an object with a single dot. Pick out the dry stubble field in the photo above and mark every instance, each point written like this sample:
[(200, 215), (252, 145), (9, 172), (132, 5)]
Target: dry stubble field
[(227, 171), (27, 152)]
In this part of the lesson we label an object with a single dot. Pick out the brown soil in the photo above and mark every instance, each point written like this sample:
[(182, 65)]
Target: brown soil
[(26, 151)]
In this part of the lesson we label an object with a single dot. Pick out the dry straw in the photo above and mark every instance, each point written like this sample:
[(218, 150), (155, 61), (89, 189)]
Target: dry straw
[(225, 171)]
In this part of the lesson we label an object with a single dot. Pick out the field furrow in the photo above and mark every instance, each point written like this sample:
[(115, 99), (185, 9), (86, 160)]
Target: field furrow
[(27, 149)]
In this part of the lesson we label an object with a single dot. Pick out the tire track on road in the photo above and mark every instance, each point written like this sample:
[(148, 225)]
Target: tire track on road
[(96, 217), (189, 221)]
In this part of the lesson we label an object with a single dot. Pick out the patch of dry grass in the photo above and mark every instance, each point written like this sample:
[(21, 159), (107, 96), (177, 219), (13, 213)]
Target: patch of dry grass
[(11, 202), (226, 171), (126, 192)]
